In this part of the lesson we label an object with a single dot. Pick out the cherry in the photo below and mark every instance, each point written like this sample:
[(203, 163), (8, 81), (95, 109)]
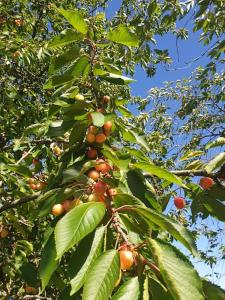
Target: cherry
[(106, 99), (33, 186), (206, 183), (31, 290), (100, 138), (92, 129), (102, 166), (16, 53), (18, 22), (92, 153), (112, 192), (107, 126), (4, 233), (90, 137), (100, 187), (67, 205), (126, 259), (57, 209), (179, 202), (35, 161), (93, 174), (31, 180)]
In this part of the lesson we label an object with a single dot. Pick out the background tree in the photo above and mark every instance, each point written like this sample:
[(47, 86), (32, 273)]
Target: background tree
[(85, 184)]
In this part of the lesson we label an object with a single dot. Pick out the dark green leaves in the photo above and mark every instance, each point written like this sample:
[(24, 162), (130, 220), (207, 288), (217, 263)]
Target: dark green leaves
[(48, 262), (212, 291), (123, 35), (75, 19), (76, 224), (129, 290), (102, 276), (180, 276)]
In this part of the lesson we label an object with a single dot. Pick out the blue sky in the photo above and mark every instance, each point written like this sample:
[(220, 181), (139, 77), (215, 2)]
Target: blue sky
[(188, 51)]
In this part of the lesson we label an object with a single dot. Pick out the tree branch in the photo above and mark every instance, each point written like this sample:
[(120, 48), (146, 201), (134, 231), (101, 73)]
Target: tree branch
[(19, 202)]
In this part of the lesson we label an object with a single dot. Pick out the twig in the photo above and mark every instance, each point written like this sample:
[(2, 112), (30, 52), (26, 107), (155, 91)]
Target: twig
[(24, 156), (19, 202)]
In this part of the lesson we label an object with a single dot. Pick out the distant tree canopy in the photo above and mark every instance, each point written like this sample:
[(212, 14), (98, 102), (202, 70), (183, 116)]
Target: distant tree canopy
[(85, 183)]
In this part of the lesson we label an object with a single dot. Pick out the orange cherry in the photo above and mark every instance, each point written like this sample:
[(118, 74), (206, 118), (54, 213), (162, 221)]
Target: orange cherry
[(93, 174), (92, 153), (90, 138), (126, 259), (57, 209), (100, 138)]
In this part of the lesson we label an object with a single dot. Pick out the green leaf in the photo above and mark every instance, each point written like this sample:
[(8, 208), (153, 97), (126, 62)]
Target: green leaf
[(126, 199), (48, 262), (122, 162), (98, 119), (181, 278), (22, 170), (59, 127), (212, 291), (215, 163), (57, 62), (75, 19), (192, 154), (116, 79), (124, 35), (102, 276), (160, 172), (129, 290), (29, 274), (178, 231), (131, 136), (217, 143), (94, 251), (158, 291), (215, 208), (78, 133), (76, 224), (76, 70), (64, 38)]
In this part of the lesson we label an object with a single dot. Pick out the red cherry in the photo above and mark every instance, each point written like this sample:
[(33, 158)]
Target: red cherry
[(206, 183), (112, 192), (35, 161), (102, 166), (179, 202), (100, 187), (92, 153)]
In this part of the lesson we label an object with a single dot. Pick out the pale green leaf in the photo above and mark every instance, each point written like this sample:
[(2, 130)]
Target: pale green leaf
[(215, 163), (159, 172), (181, 278), (217, 143), (129, 290), (76, 224), (123, 35), (75, 19), (102, 276)]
